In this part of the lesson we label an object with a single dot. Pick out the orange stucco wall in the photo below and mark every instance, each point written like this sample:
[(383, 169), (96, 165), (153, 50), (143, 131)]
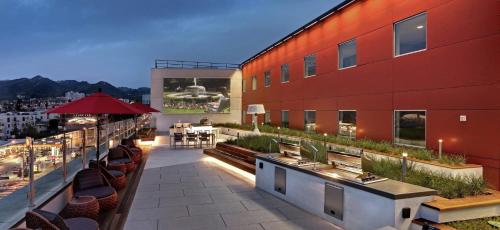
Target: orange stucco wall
[(458, 74)]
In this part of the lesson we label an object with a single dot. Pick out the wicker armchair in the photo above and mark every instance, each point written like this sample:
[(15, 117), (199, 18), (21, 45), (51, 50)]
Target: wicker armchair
[(130, 144), (116, 178), (39, 219), (136, 155), (117, 158), (91, 182)]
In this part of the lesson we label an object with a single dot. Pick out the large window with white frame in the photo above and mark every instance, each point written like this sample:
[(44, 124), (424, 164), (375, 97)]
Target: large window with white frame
[(254, 83), (347, 123), (284, 118), (409, 127), (310, 120), (347, 54), (310, 65), (410, 35), (285, 73), (267, 78)]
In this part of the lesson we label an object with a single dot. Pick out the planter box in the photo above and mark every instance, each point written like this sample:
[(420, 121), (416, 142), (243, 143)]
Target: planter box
[(442, 210), (455, 170)]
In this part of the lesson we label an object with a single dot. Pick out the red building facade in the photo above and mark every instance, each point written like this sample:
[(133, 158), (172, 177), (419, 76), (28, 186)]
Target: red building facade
[(454, 80)]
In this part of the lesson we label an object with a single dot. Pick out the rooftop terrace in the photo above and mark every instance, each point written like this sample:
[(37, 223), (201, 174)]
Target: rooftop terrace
[(184, 189)]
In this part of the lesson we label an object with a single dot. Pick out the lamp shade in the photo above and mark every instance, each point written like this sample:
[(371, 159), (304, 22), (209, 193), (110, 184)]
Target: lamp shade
[(256, 109)]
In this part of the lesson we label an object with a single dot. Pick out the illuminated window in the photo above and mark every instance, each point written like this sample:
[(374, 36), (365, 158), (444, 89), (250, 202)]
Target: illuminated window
[(409, 128), (284, 118), (410, 35), (347, 54), (267, 78), (254, 83), (310, 120), (267, 117), (347, 123), (310, 65), (285, 73), (244, 85)]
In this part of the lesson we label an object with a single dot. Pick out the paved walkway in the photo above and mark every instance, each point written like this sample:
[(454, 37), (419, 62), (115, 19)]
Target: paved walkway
[(184, 189)]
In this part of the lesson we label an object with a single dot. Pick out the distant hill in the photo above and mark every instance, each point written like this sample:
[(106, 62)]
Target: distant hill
[(41, 87)]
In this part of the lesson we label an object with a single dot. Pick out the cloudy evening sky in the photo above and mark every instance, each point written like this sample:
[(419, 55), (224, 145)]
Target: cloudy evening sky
[(117, 40)]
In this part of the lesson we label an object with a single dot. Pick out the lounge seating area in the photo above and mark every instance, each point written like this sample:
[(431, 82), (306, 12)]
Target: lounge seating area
[(94, 192)]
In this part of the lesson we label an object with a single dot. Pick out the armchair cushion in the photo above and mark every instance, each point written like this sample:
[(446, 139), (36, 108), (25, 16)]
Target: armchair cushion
[(89, 179), (98, 192), (52, 218)]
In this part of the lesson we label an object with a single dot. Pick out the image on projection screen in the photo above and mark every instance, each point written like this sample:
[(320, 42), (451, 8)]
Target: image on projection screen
[(196, 95)]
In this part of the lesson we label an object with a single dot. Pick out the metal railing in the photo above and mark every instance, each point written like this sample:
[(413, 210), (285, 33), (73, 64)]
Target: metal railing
[(43, 167), (176, 64)]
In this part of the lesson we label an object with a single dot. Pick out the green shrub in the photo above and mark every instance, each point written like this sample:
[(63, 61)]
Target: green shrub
[(447, 185), (379, 146), (256, 143), (476, 224)]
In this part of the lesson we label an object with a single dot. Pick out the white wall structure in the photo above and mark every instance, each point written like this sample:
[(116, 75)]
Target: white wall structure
[(10, 120), (164, 121)]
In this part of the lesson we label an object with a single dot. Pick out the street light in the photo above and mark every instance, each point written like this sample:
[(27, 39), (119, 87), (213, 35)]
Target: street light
[(404, 165), (440, 152)]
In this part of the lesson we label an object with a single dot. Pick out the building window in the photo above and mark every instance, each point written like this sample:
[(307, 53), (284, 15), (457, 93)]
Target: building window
[(244, 85), (267, 117), (254, 83), (347, 54), (285, 73), (409, 128), (243, 116), (410, 35), (347, 123), (267, 78), (284, 118), (310, 65), (310, 120)]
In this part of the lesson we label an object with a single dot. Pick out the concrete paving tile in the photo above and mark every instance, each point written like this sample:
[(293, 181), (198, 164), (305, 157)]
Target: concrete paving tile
[(209, 190), (181, 185), (192, 222), (306, 224), (252, 217), (241, 187), (246, 227), (141, 224), (291, 212), (148, 187), (158, 194), (186, 200), (264, 203), (214, 208), (199, 178), (145, 203), (250, 195), (158, 213)]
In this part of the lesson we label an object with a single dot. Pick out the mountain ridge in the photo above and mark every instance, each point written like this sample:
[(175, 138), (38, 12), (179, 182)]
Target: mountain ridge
[(42, 87)]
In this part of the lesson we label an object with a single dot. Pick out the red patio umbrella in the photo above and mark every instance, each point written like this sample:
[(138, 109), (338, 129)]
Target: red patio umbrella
[(145, 108), (96, 104)]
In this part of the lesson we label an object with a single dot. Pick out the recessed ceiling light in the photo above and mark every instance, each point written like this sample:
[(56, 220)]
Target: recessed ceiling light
[(420, 27)]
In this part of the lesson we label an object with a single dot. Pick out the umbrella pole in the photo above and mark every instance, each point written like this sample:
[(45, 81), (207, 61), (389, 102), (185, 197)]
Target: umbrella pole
[(98, 125), (136, 127)]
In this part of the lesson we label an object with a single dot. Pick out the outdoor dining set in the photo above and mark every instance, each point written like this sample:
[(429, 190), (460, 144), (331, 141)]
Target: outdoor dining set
[(189, 135)]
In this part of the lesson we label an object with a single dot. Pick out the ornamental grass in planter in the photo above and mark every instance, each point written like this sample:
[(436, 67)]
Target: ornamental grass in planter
[(448, 186), (378, 146)]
